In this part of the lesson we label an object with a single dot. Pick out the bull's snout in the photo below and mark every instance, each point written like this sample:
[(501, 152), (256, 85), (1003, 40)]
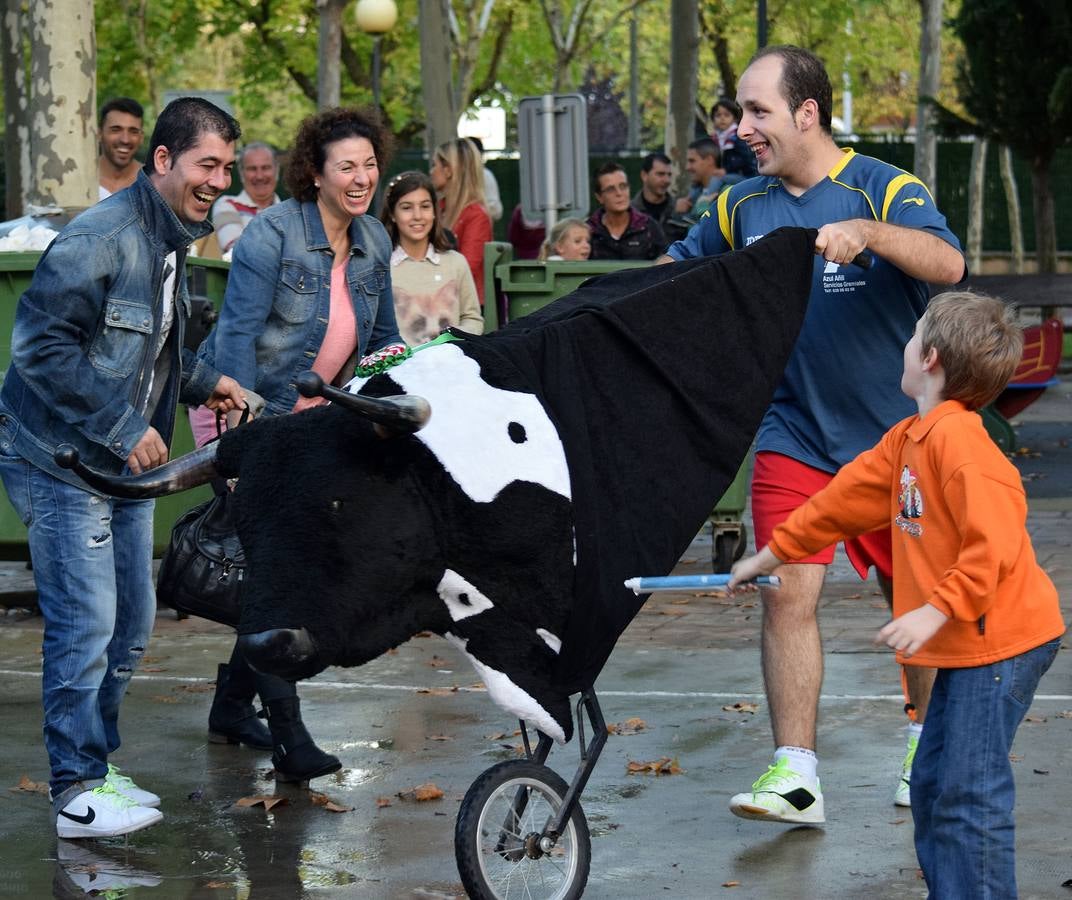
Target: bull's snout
[(287, 652)]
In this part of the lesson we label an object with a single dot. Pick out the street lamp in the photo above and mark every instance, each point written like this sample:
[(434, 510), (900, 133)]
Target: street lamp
[(376, 17)]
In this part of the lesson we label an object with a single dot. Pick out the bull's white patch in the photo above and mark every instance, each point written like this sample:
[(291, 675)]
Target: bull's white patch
[(485, 437), (552, 641), (508, 696), (462, 598)]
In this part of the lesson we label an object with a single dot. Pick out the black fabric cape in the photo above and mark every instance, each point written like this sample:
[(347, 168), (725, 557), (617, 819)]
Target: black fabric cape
[(657, 380)]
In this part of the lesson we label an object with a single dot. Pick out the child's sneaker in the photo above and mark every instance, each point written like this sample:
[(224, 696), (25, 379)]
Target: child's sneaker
[(781, 795), (103, 812), (903, 795), (128, 788)]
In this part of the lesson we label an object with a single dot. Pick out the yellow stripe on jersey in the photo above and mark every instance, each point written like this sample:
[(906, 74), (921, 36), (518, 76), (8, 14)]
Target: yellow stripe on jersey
[(895, 186), (724, 217)]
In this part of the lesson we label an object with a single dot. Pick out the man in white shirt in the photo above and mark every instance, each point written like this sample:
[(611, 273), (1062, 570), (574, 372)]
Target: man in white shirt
[(258, 167), (121, 134)]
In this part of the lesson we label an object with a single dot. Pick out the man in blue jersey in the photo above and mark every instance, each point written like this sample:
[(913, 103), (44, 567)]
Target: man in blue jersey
[(838, 395)]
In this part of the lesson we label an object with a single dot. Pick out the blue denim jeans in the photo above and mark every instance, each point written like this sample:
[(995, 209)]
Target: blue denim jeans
[(92, 560), (963, 791)]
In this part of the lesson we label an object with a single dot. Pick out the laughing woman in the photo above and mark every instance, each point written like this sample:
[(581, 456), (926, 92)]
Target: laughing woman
[(309, 288)]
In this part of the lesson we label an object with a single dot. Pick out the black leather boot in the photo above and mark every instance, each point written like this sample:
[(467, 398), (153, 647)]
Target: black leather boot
[(233, 719), (295, 756)]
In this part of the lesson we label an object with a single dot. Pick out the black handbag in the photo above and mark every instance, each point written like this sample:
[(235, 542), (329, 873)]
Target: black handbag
[(202, 570)]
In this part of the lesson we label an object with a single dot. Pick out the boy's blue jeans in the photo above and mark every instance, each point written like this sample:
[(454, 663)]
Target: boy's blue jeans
[(92, 560), (962, 783)]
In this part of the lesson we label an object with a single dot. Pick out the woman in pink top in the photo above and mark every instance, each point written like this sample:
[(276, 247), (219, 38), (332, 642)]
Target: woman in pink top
[(309, 288), (458, 175)]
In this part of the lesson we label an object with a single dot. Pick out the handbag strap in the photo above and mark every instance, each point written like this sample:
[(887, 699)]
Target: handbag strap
[(241, 421)]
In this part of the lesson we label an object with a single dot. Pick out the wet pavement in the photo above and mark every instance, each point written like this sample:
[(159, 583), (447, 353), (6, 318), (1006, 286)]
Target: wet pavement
[(419, 716)]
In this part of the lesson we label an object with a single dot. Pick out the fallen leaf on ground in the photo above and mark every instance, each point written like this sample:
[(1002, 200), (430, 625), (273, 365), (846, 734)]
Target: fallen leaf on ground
[(673, 612), (196, 688), (32, 787), (688, 560), (440, 737), (741, 707), (325, 801), (1034, 719), (853, 596), (150, 660), (1041, 771), (437, 662), (381, 802), (218, 885), (421, 793), (1065, 714), (267, 802), (731, 884), (629, 726), (662, 766), (898, 821), (681, 601), (499, 735), (153, 669), (438, 692)]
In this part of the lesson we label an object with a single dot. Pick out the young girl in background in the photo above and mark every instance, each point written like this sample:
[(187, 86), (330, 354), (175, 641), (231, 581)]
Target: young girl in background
[(433, 287), (569, 240)]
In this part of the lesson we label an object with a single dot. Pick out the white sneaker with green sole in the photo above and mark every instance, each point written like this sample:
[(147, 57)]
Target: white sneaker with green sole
[(903, 796), (782, 795)]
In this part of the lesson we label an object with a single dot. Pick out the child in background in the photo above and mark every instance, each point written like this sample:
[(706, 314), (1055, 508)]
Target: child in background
[(969, 596), (569, 240), (433, 287)]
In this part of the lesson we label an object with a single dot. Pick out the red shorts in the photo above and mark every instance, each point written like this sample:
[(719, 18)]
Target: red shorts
[(780, 484)]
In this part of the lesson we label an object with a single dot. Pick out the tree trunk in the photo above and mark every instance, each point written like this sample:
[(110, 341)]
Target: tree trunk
[(63, 120), (925, 164), (976, 182), (1045, 227), (328, 52), (436, 82), (16, 128), (1012, 203), (684, 49)]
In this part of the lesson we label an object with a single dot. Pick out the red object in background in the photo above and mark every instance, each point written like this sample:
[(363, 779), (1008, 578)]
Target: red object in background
[(1037, 368)]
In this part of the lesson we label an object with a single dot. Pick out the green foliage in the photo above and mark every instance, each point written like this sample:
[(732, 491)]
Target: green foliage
[(1015, 79), (265, 51)]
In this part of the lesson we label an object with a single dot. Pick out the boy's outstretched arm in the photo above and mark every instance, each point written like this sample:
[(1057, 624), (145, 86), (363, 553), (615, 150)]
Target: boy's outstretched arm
[(744, 570), (911, 631)]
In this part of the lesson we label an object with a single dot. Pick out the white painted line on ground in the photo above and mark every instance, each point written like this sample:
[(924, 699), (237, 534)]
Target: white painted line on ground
[(468, 689)]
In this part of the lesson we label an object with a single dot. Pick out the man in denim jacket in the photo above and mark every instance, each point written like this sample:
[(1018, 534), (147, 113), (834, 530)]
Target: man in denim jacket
[(97, 362)]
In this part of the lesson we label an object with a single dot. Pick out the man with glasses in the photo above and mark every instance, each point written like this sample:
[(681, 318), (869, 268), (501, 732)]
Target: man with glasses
[(618, 230)]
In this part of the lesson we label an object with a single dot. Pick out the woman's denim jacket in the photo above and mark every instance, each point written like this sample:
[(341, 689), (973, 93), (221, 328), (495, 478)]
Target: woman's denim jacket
[(86, 330), (275, 311)]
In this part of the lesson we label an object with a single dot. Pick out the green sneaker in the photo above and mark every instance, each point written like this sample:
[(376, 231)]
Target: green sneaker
[(781, 795), (903, 796)]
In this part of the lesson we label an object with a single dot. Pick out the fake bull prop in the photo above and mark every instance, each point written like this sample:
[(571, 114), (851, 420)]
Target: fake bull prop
[(563, 454)]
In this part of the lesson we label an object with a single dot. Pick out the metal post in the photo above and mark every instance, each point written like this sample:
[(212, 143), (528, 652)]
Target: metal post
[(761, 24), (547, 113), (376, 69)]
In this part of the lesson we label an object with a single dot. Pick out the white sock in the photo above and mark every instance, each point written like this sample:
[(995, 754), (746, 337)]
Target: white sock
[(915, 729), (800, 759)]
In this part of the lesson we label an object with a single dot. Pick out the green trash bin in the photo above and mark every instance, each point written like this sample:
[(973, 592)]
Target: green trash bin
[(513, 289), (209, 277)]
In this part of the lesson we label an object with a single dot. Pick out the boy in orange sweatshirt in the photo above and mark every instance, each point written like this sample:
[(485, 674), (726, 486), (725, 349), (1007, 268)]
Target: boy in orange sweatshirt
[(969, 597)]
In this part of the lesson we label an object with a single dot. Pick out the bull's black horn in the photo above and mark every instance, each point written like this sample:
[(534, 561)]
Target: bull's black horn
[(403, 414), (185, 472)]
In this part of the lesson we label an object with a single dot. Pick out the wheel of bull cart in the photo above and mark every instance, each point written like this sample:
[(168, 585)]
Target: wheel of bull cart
[(727, 547), (497, 838)]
